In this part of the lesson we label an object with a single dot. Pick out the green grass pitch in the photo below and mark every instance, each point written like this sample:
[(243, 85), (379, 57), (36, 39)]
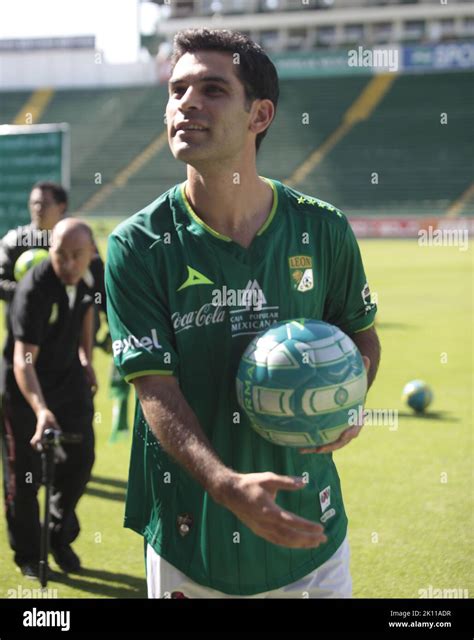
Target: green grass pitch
[(408, 490)]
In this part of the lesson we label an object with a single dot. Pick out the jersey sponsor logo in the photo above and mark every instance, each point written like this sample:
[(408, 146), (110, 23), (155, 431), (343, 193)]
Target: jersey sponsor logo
[(327, 515), (365, 293), (325, 498), (367, 299), (202, 317), (251, 319), (149, 343), (301, 273), (255, 292), (252, 297), (246, 320), (249, 323), (194, 277)]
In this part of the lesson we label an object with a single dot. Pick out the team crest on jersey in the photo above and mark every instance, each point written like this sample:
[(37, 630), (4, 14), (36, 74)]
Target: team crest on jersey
[(301, 273)]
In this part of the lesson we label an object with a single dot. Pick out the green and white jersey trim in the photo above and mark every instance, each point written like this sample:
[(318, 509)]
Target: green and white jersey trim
[(194, 216)]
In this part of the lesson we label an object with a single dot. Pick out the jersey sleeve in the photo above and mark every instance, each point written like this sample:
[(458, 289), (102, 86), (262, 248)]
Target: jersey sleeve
[(139, 319), (348, 302), (29, 313)]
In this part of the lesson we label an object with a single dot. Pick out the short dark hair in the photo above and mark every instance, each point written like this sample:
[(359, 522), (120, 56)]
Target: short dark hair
[(58, 191), (255, 69)]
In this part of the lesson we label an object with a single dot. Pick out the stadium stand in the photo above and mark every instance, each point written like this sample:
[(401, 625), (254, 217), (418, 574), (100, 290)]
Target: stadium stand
[(421, 164), (10, 104), (108, 129)]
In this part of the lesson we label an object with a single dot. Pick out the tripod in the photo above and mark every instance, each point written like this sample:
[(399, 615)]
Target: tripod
[(51, 452), (48, 442)]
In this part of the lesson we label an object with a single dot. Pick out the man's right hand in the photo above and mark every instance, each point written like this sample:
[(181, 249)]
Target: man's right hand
[(45, 419), (251, 497)]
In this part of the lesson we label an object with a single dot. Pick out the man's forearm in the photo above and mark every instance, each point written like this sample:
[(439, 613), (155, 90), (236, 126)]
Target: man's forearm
[(178, 430), (368, 344), (87, 337), (30, 387)]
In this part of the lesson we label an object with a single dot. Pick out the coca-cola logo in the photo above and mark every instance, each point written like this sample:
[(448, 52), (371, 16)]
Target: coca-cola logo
[(206, 315)]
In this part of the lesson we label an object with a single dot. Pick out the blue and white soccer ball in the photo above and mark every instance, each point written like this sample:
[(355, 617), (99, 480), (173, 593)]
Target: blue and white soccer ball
[(301, 383), (418, 395)]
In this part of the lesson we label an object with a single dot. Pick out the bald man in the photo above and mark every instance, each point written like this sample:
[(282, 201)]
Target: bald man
[(48, 203), (49, 381)]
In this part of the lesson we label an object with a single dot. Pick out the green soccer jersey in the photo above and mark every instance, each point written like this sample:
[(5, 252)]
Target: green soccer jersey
[(184, 300)]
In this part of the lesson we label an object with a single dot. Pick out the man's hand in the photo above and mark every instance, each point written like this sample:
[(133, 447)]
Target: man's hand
[(251, 497), (346, 436), (91, 377), (45, 419)]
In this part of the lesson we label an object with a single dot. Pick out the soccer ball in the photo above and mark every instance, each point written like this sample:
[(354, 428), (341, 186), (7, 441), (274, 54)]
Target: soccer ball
[(27, 260), (301, 383), (418, 395)]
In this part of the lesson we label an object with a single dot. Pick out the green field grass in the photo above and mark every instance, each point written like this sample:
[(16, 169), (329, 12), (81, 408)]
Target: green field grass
[(408, 490)]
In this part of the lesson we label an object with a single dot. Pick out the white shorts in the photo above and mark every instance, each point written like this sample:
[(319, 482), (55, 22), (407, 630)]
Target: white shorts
[(331, 580)]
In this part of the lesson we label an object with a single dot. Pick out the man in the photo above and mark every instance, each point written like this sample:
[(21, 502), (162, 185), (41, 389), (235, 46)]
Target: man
[(223, 511), (48, 202), (48, 380)]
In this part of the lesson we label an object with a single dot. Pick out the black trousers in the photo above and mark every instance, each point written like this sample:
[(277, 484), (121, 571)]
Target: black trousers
[(22, 477)]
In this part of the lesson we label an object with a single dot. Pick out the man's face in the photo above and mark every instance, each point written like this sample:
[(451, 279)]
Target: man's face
[(44, 210), (205, 92), (71, 256)]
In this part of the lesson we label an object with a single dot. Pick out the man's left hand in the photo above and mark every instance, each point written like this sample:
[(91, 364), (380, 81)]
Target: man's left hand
[(346, 436), (91, 377)]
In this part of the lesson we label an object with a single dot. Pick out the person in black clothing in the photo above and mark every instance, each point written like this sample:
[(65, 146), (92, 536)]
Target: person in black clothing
[(48, 381), (48, 203)]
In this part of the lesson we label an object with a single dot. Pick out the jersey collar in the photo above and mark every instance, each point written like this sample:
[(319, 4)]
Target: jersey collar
[(220, 236)]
